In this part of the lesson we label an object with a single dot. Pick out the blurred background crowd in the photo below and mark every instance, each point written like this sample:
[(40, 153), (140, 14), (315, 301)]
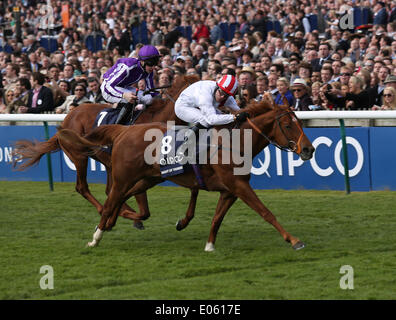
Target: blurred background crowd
[(312, 55)]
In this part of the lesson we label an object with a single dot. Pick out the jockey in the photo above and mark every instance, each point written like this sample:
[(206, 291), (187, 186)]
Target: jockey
[(199, 103), (117, 81)]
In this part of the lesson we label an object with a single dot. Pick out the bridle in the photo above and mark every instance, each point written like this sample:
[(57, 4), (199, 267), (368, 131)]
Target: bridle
[(292, 145)]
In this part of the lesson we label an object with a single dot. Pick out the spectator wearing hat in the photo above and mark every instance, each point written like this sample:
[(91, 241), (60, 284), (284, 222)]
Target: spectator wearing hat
[(302, 100), (246, 76), (390, 81), (181, 63), (237, 53)]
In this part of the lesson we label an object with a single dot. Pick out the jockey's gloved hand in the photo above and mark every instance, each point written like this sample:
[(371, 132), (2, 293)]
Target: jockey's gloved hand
[(241, 117)]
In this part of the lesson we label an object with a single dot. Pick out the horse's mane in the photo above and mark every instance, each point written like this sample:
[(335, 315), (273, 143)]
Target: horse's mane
[(178, 85), (255, 108)]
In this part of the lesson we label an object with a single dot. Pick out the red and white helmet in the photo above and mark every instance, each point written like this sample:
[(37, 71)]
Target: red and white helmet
[(228, 84)]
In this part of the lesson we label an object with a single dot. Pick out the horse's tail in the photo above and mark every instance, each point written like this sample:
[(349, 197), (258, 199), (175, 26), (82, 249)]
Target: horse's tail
[(27, 153), (91, 143)]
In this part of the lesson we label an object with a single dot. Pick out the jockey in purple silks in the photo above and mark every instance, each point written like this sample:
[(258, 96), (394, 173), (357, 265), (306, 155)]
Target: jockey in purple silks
[(117, 81)]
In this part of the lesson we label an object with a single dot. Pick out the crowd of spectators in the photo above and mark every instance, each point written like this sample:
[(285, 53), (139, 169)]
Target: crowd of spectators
[(306, 67)]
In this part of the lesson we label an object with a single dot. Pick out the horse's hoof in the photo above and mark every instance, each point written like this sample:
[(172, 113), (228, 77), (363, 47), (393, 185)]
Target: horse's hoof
[(299, 245), (209, 247), (139, 225), (91, 244), (179, 226)]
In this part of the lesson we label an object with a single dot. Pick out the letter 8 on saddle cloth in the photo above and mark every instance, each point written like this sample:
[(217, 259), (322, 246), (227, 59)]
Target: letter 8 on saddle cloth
[(197, 104)]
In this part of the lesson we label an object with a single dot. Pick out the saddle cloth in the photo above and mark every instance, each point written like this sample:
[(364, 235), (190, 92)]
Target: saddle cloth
[(110, 115), (178, 156)]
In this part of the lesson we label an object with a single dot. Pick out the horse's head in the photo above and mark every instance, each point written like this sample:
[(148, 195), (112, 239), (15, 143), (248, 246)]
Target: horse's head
[(280, 127), (289, 135)]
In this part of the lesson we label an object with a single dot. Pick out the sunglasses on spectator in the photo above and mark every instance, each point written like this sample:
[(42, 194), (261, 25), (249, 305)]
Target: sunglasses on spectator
[(297, 90), (387, 95), (345, 74), (78, 89)]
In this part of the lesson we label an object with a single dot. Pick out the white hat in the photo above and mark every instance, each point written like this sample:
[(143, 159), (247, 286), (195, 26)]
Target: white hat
[(299, 82), (181, 57), (232, 49)]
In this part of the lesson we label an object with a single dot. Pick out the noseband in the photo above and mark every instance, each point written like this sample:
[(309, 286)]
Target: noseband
[(292, 145)]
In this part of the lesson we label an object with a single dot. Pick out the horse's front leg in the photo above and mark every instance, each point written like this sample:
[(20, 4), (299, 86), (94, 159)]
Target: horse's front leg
[(242, 189), (183, 223), (111, 210)]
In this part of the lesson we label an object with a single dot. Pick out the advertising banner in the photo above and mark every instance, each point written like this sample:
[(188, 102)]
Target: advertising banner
[(371, 154)]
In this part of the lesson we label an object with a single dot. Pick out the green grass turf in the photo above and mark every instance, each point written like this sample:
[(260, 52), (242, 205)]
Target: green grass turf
[(251, 261)]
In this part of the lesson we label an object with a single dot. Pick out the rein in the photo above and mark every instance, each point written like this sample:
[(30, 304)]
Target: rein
[(296, 145)]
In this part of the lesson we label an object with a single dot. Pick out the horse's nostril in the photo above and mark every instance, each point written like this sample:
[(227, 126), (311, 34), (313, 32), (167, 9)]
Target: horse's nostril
[(308, 150)]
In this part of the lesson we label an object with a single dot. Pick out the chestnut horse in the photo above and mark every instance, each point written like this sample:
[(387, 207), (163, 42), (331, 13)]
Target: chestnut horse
[(81, 120), (132, 174)]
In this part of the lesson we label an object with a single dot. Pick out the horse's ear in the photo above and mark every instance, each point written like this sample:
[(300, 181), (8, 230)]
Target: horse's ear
[(285, 102), (268, 97)]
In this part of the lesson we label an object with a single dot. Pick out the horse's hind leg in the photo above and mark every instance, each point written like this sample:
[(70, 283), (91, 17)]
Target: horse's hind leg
[(126, 211), (81, 164), (183, 223), (223, 205)]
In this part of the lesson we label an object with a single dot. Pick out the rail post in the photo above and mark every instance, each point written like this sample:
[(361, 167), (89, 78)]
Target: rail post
[(49, 163), (345, 157)]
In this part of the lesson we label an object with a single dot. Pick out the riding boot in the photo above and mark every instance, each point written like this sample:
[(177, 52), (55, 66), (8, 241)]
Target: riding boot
[(194, 131), (124, 114)]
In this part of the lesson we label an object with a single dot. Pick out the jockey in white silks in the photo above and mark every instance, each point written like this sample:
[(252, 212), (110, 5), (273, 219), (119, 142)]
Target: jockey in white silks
[(199, 103)]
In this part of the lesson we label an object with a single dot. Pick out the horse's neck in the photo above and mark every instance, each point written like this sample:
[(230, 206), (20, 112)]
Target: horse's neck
[(264, 123)]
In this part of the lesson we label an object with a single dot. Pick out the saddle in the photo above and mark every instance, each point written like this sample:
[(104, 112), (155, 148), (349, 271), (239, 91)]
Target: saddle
[(110, 116)]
